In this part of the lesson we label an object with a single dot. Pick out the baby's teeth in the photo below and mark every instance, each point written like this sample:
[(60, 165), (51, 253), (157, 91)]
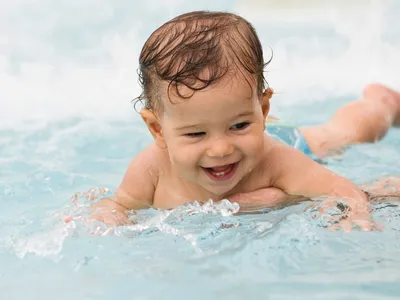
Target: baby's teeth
[(220, 174)]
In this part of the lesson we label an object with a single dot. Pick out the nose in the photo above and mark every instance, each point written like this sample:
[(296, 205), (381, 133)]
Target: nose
[(220, 148)]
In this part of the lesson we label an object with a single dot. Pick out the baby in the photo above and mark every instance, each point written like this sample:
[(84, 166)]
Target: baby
[(206, 106)]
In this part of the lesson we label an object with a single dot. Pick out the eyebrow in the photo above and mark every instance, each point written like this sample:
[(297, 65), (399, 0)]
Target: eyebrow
[(244, 114), (187, 126)]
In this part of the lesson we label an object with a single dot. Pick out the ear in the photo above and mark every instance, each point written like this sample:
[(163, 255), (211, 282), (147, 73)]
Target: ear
[(265, 102), (153, 124)]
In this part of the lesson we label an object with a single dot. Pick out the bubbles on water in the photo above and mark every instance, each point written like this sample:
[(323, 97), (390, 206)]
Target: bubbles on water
[(73, 221), (91, 195), (45, 244), (290, 240), (223, 207)]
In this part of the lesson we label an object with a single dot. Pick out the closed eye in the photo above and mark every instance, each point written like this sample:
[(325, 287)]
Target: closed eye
[(194, 134), (240, 126)]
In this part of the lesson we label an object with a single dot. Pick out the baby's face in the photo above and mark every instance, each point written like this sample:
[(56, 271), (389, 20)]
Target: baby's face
[(216, 137)]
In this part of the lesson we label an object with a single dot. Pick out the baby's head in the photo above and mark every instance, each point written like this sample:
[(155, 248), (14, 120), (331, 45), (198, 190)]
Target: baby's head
[(204, 96), (196, 50)]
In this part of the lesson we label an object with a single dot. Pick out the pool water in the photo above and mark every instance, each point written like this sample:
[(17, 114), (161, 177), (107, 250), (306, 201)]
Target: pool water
[(207, 252), (68, 132)]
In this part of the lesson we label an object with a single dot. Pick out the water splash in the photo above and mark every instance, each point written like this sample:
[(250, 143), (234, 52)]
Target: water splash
[(53, 231)]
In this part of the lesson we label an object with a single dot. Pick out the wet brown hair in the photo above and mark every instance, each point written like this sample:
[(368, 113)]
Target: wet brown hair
[(197, 49)]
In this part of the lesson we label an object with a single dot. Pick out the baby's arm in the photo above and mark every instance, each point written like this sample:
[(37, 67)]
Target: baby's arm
[(264, 198), (136, 190), (297, 174)]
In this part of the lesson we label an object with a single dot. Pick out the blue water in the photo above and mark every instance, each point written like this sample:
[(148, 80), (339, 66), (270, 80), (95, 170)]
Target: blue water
[(68, 131), (201, 251)]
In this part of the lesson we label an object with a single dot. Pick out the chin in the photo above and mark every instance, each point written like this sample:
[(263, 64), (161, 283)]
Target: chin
[(222, 192)]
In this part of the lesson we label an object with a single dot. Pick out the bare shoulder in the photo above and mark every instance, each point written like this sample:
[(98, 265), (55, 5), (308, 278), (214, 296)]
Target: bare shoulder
[(151, 159), (279, 156), (263, 175), (297, 174), (141, 178), (274, 151)]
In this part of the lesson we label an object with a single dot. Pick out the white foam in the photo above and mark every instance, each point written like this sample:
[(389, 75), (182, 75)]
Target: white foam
[(45, 90), (80, 58), (347, 50)]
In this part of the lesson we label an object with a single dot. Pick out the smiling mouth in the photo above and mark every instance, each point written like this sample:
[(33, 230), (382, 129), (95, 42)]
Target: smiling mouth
[(221, 173)]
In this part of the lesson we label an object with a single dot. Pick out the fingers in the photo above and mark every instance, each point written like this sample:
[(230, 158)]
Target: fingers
[(111, 218), (346, 225), (340, 215), (363, 225)]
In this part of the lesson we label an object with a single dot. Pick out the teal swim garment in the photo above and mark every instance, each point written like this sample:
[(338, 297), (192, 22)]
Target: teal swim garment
[(289, 135)]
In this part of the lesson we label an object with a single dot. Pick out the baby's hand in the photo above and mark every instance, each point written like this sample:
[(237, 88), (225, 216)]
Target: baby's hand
[(350, 212), (345, 214), (108, 212), (351, 207), (110, 216)]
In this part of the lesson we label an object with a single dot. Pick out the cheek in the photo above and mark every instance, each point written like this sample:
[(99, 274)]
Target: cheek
[(253, 140), (184, 155), (253, 144), (256, 145)]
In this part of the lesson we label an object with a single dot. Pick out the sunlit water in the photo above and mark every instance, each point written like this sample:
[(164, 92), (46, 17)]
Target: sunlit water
[(77, 76)]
